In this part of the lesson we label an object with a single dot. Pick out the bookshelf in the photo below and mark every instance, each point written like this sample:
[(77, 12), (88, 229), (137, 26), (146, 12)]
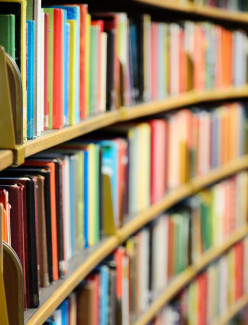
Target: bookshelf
[(186, 276), (81, 265), (52, 138), (197, 10)]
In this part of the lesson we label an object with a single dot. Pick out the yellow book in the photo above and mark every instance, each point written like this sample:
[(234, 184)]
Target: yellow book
[(18, 8), (92, 176), (72, 71), (87, 64), (231, 271), (144, 147)]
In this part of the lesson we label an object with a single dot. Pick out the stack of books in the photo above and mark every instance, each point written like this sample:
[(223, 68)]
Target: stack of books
[(130, 279)]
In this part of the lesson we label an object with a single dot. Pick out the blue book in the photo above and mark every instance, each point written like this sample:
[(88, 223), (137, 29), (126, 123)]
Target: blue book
[(72, 207), (64, 307), (30, 78), (134, 60), (110, 167), (86, 198), (104, 297)]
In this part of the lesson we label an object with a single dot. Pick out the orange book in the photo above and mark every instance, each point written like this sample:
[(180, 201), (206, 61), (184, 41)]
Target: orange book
[(199, 59), (118, 256), (51, 167), (6, 216), (202, 298), (218, 66)]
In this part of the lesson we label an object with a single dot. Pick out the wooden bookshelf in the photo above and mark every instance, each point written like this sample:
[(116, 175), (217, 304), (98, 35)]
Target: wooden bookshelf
[(197, 10), (80, 266), (52, 138), (232, 311), (188, 275), (6, 158)]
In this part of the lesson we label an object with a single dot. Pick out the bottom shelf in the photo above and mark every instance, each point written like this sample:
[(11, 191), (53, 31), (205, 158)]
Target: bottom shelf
[(187, 275), (79, 267), (241, 303)]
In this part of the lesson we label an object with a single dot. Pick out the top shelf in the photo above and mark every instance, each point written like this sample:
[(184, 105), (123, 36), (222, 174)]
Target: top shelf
[(205, 11), (54, 137)]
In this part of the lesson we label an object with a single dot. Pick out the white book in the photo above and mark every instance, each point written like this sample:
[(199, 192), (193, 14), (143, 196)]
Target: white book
[(103, 72), (144, 274), (67, 216), (57, 316)]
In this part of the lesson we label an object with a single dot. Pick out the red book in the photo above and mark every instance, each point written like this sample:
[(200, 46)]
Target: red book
[(239, 264), (83, 13), (58, 69), (158, 159), (96, 280), (202, 298), (119, 256), (154, 38), (122, 159), (51, 167), (46, 74)]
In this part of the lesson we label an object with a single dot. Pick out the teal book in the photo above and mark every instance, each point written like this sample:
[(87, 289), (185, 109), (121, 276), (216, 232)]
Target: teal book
[(7, 35)]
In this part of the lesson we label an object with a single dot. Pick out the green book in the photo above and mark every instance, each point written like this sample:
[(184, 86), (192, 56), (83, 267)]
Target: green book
[(7, 35)]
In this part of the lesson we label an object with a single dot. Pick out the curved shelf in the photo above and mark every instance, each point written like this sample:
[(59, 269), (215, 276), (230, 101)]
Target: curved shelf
[(186, 276), (84, 263), (80, 266), (6, 158), (52, 138), (241, 303), (205, 11), (192, 187)]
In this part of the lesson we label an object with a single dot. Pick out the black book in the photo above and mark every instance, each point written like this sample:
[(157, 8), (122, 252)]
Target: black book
[(110, 92)]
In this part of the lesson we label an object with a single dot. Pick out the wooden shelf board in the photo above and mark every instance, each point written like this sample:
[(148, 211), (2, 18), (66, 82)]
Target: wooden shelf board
[(182, 100), (220, 173), (52, 138), (6, 158), (193, 186), (233, 310), (186, 276), (206, 11), (79, 267)]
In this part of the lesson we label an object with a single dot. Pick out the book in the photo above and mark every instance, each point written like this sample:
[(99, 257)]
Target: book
[(7, 38)]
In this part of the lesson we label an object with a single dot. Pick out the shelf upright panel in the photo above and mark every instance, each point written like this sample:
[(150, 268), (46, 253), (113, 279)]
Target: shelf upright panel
[(6, 158)]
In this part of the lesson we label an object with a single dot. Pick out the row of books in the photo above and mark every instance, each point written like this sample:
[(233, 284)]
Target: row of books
[(67, 197), (212, 292), (122, 288), (230, 5), (80, 64)]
